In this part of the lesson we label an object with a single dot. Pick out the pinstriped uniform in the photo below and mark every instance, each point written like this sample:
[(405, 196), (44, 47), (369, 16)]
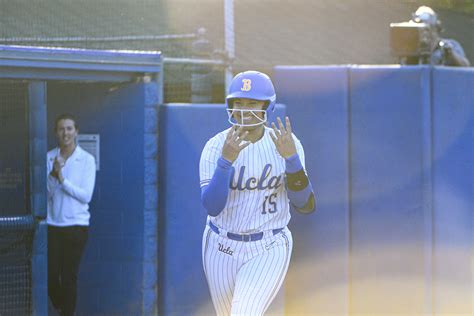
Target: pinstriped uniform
[(244, 277)]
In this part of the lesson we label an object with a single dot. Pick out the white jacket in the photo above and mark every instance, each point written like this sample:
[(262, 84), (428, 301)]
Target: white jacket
[(68, 203)]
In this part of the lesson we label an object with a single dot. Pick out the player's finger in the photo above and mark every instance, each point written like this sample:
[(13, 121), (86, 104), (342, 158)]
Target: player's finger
[(234, 130), (234, 133), (288, 125), (240, 134), (280, 124), (230, 133), (240, 131), (275, 130), (241, 137), (274, 139)]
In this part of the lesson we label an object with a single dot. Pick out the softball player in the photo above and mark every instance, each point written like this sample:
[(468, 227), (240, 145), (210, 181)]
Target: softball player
[(249, 174)]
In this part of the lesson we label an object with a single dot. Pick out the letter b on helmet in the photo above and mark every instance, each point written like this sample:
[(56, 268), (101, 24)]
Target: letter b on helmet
[(252, 85)]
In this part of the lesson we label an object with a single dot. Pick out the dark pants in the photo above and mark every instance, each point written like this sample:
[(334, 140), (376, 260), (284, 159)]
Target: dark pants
[(65, 248)]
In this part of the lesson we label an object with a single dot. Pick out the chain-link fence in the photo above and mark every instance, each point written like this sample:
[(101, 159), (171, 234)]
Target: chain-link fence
[(267, 33), (124, 25), (16, 223), (193, 71), (193, 81), (16, 249)]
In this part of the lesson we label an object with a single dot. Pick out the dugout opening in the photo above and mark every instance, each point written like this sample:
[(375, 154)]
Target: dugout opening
[(112, 93)]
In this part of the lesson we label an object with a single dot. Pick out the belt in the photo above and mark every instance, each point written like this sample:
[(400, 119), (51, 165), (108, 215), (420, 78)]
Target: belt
[(243, 237)]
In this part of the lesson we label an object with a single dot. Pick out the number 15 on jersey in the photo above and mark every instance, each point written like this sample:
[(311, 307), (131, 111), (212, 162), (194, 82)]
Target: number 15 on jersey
[(269, 204)]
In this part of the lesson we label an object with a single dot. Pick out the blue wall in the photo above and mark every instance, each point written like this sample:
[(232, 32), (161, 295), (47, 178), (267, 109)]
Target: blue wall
[(387, 210), (453, 198), (115, 275), (389, 151), (317, 104), (406, 235), (184, 129)]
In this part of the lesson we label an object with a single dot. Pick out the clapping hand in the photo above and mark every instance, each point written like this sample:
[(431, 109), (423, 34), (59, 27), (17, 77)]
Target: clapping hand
[(57, 169)]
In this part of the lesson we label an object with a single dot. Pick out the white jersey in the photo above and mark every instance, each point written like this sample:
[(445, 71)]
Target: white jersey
[(257, 199)]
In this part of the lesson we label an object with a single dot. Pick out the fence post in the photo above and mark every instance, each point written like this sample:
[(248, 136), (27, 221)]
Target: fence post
[(201, 75)]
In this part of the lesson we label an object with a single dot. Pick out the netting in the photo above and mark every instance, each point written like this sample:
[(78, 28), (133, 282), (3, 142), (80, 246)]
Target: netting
[(186, 82), (300, 31), (16, 229), (125, 25), (13, 148), (105, 24), (16, 243), (267, 33)]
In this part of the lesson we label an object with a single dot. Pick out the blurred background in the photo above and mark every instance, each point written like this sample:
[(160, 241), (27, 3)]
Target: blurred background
[(266, 33)]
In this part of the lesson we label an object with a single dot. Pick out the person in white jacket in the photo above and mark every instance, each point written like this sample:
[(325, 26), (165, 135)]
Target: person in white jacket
[(71, 178)]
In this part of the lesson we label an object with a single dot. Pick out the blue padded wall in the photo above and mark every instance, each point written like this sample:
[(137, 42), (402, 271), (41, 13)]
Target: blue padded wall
[(37, 147), (37, 114), (39, 273), (395, 145), (453, 195), (317, 104), (184, 130), (387, 214), (111, 273)]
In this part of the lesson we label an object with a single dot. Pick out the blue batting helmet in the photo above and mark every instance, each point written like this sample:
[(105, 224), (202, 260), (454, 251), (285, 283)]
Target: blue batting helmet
[(252, 85)]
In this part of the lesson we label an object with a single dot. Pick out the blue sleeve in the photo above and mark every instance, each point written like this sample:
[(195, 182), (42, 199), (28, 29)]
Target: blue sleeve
[(214, 195), (299, 188), (293, 164)]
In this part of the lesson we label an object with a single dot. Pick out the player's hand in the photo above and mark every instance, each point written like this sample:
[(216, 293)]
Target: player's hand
[(234, 143), (283, 139)]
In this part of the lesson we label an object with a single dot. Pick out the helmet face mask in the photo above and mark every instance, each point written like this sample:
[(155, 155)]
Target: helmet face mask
[(250, 85), (238, 117)]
